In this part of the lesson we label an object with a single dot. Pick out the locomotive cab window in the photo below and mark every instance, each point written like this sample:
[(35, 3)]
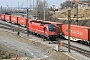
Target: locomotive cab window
[(31, 22), (52, 27)]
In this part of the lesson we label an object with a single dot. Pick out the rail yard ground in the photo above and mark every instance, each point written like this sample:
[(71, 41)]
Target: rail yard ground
[(5, 52), (8, 38)]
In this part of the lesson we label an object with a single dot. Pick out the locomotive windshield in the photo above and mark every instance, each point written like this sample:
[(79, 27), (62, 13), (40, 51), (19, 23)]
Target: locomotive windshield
[(52, 27)]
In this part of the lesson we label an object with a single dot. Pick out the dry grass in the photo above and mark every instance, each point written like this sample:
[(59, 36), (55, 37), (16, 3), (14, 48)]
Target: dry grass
[(5, 53), (83, 13)]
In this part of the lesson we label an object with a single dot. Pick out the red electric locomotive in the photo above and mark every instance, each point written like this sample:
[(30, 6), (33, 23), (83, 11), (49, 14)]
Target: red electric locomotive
[(42, 28), (58, 27)]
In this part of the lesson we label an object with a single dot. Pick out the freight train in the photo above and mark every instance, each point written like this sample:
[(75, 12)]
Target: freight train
[(51, 30), (39, 27)]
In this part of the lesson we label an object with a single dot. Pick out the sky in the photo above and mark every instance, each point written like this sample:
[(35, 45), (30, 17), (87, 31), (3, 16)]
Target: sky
[(14, 3)]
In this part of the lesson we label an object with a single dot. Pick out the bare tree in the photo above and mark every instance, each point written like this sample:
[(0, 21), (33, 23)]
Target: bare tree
[(68, 3), (65, 4), (41, 7)]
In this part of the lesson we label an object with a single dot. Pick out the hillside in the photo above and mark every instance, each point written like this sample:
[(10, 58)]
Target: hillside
[(83, 16)]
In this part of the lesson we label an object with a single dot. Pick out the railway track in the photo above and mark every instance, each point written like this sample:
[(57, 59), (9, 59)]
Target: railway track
[(80, 50), (10, 27)]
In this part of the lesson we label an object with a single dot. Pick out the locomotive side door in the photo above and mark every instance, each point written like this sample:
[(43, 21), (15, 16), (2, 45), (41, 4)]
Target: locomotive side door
[(45, 31)]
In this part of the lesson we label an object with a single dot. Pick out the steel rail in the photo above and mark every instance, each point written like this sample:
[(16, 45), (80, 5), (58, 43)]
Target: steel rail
[(80, 50)]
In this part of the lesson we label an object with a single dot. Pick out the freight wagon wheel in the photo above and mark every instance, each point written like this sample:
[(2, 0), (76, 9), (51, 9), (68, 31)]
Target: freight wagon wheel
[(89, 44), (81, 42), (85, 43)]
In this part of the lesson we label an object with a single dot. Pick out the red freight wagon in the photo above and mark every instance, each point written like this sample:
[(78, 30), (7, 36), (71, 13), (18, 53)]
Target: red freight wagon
[(77, 32), (14, 19), (8, 17), (22, 21), (3, 16)]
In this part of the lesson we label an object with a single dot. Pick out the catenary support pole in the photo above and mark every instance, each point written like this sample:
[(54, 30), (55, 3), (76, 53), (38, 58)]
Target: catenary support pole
[(27, 20), (69, 22), (77, 12)]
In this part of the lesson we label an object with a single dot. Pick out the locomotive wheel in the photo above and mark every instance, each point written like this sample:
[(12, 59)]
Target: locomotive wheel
[(33, 33), (30, 32), (44, 39), (49, 43), (41, 36)]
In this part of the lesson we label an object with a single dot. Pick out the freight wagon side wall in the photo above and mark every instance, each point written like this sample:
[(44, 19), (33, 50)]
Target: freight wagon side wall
[(8, 17), (3, 16), (22, 21), (89, 35), (64, 29), (59, 28), (14, 19), (80, 32)]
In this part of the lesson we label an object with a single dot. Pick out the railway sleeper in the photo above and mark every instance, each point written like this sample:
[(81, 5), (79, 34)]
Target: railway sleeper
[(85, 42)]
